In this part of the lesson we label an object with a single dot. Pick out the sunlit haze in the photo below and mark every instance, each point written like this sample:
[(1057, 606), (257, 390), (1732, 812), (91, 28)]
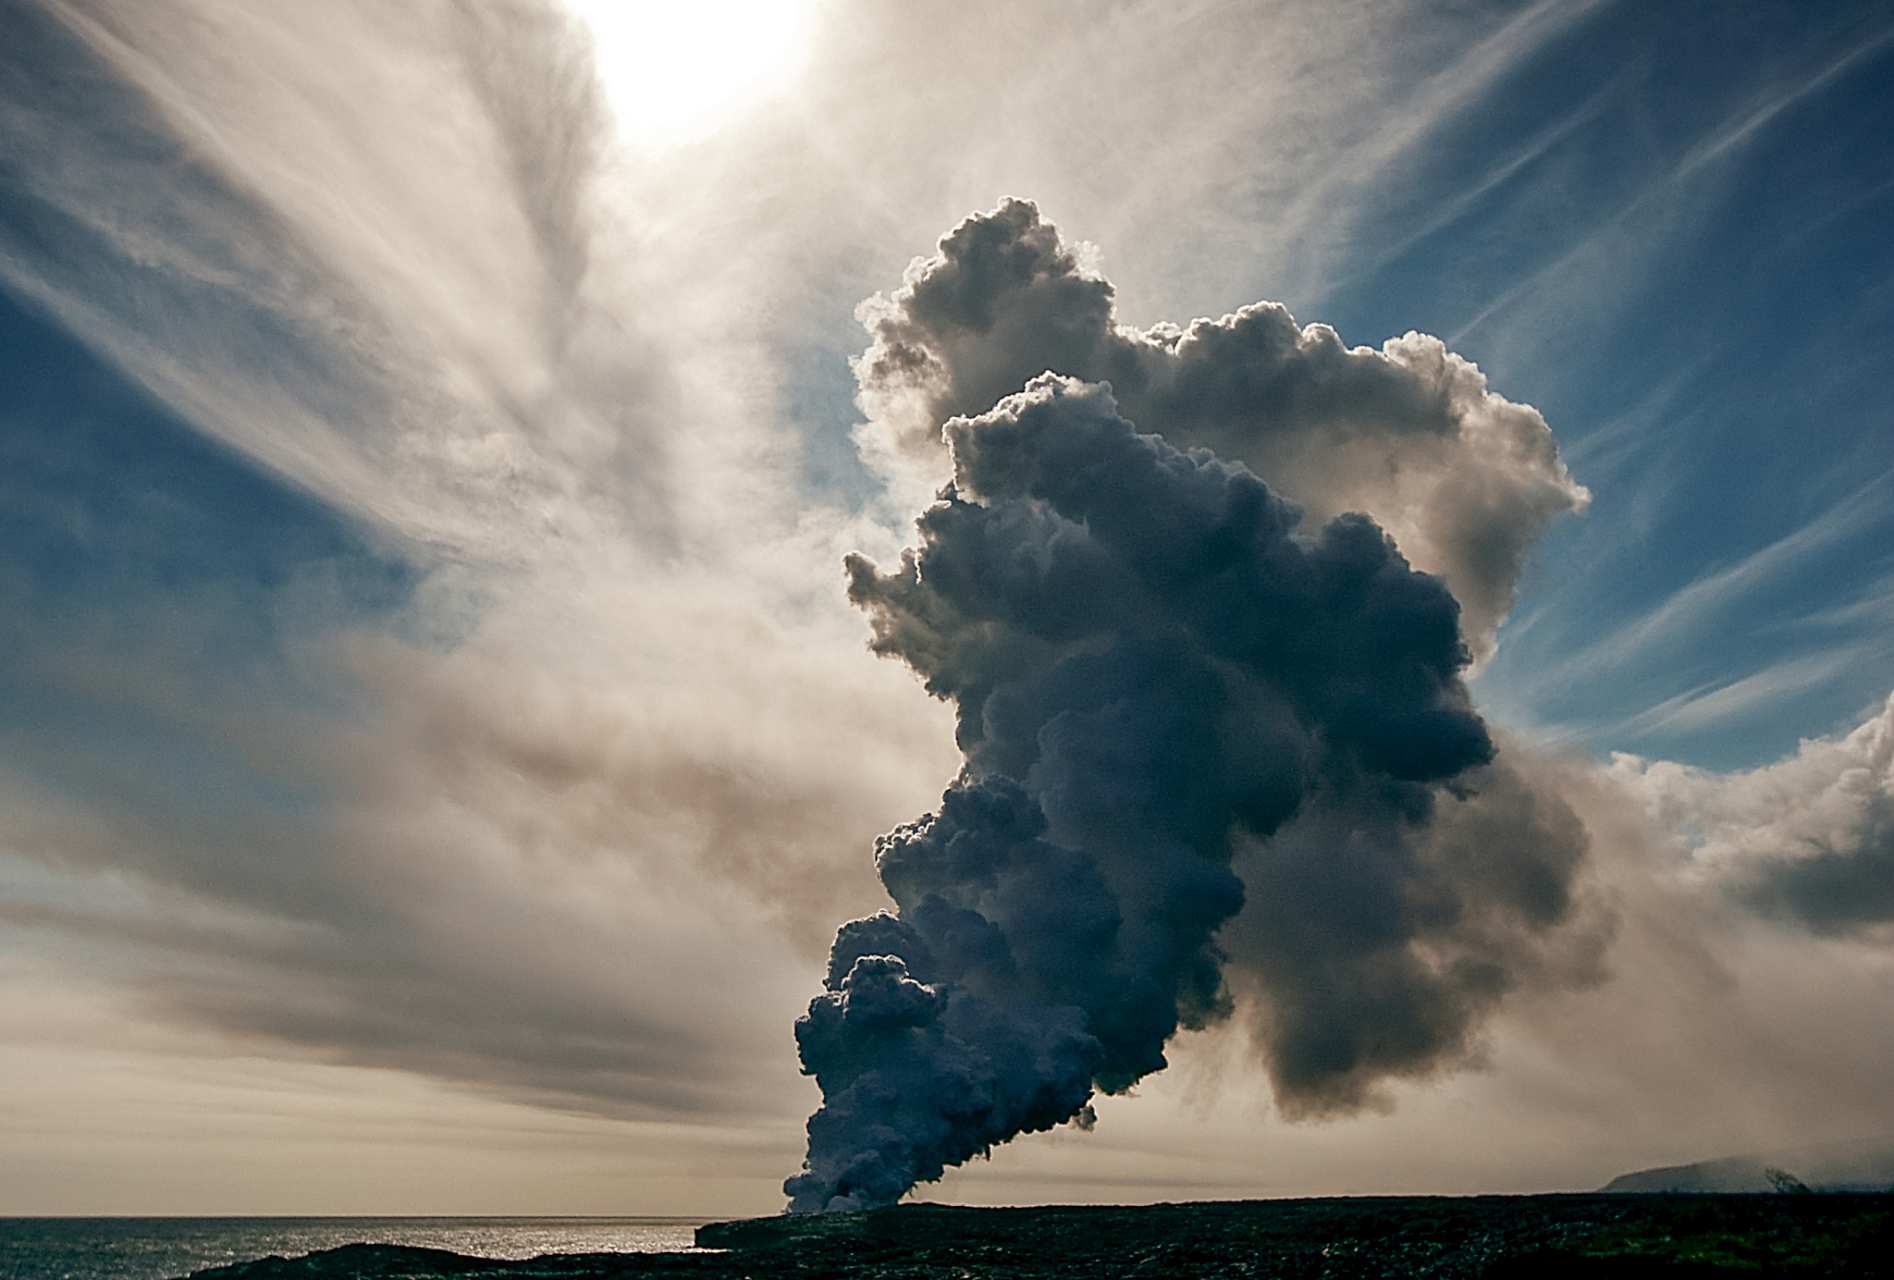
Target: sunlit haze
[(675, 70)]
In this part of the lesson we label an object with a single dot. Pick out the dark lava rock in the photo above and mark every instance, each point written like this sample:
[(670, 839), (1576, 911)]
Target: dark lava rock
[(1475, 1238)]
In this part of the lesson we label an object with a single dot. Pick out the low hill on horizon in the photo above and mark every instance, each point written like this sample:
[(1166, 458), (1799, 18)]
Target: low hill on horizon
[(1852, 1166)]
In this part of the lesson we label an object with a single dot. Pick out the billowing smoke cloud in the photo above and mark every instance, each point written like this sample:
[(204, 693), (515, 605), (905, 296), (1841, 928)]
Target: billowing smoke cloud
[(1155, 669), (1464, 480), (1377, 938)]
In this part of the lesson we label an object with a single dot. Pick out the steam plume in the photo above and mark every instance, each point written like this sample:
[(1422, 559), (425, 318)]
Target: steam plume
[(1149, 662), (1463, 479)]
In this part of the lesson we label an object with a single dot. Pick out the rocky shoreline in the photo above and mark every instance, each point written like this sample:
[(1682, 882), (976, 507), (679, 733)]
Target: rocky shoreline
[(1480, 1237)]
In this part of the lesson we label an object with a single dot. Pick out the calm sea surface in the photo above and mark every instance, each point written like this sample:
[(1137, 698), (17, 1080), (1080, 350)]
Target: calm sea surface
[(162, 1248)]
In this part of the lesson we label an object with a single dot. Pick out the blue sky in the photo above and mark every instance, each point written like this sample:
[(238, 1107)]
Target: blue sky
[(431, 721), (1689, 205)]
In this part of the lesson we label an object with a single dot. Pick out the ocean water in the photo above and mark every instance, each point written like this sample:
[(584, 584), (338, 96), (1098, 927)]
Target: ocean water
[(163, 1248)]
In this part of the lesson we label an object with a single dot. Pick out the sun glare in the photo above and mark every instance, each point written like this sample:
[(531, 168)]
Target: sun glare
[(678, 70)]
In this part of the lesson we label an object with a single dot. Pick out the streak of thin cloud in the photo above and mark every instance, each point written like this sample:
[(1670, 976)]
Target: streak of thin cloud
[(1613, 234), (1687, 612), (1711, 704), (1736, 132), (1309, 218)]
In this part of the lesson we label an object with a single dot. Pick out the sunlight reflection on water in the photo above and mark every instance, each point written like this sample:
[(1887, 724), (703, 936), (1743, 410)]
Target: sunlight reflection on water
[(164, 1248)]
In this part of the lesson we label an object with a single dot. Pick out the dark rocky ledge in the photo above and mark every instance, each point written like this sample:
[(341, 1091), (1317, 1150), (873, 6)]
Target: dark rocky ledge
[(1501, 1237)]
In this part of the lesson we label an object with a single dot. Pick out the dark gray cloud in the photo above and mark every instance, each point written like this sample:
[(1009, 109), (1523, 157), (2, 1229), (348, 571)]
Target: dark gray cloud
[(1465, 480), (1154, 670), (1807, 841), (365, 983), (1833, 884), (1378, 939)]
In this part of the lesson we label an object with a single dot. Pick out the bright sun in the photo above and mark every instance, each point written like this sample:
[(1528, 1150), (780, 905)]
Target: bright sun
[(677, 70)]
